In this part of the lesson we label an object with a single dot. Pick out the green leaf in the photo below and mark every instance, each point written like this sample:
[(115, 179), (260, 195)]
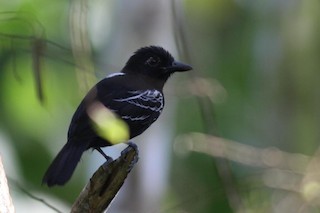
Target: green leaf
[(107, 124)]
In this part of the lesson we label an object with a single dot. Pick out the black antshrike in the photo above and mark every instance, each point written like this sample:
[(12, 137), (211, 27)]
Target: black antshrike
[(134, 94)]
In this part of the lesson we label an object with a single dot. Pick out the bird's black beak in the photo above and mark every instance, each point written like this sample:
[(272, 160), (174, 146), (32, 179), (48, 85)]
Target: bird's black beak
[(178, 67)]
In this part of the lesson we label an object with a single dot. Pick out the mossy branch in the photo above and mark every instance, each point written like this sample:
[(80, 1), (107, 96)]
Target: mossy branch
[(106, 182)]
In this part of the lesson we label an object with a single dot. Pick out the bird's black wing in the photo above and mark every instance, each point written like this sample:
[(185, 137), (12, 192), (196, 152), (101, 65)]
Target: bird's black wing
[(138, 108)]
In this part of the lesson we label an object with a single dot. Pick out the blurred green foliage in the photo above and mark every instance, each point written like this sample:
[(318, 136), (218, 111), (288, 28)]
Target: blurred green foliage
[(265, 54)]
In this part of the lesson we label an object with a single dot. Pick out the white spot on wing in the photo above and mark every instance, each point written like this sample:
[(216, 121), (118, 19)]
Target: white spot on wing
[(115, 74)]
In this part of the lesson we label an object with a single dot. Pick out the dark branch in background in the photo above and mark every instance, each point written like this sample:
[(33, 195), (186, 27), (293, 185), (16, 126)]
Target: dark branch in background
[(106, 182), (38, 48), (31, 23), (30, 38), (206, 107), (37, 39)]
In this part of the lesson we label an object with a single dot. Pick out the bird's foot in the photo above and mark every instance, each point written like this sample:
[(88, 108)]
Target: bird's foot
[(133, 146)]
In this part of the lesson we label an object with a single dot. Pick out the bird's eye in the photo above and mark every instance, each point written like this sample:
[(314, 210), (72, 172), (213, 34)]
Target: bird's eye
[(153, 61)]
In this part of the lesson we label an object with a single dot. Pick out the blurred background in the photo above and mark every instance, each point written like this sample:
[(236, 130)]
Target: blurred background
[(240, 133)]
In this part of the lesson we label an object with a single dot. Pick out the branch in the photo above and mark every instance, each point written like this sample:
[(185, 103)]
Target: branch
[(270, 157), (5, 198), (290, 172), (106, 182)]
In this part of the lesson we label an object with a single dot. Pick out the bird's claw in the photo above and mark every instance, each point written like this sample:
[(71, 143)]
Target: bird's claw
[(133, 146)]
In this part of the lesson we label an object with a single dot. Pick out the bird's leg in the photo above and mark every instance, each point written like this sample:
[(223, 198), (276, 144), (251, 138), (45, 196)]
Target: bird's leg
[(108, 158)]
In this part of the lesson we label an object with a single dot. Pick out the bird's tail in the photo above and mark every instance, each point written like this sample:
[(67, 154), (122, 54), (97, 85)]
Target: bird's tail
[(62, 167)]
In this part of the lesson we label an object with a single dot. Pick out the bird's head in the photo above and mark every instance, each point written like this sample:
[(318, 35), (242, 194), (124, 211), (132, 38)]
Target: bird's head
[(154, 62)]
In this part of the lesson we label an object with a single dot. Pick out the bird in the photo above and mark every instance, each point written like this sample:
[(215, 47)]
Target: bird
[(135, 95)]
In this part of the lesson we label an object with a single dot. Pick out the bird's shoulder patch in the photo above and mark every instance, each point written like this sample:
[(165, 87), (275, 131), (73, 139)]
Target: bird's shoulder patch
[(115, 74)]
